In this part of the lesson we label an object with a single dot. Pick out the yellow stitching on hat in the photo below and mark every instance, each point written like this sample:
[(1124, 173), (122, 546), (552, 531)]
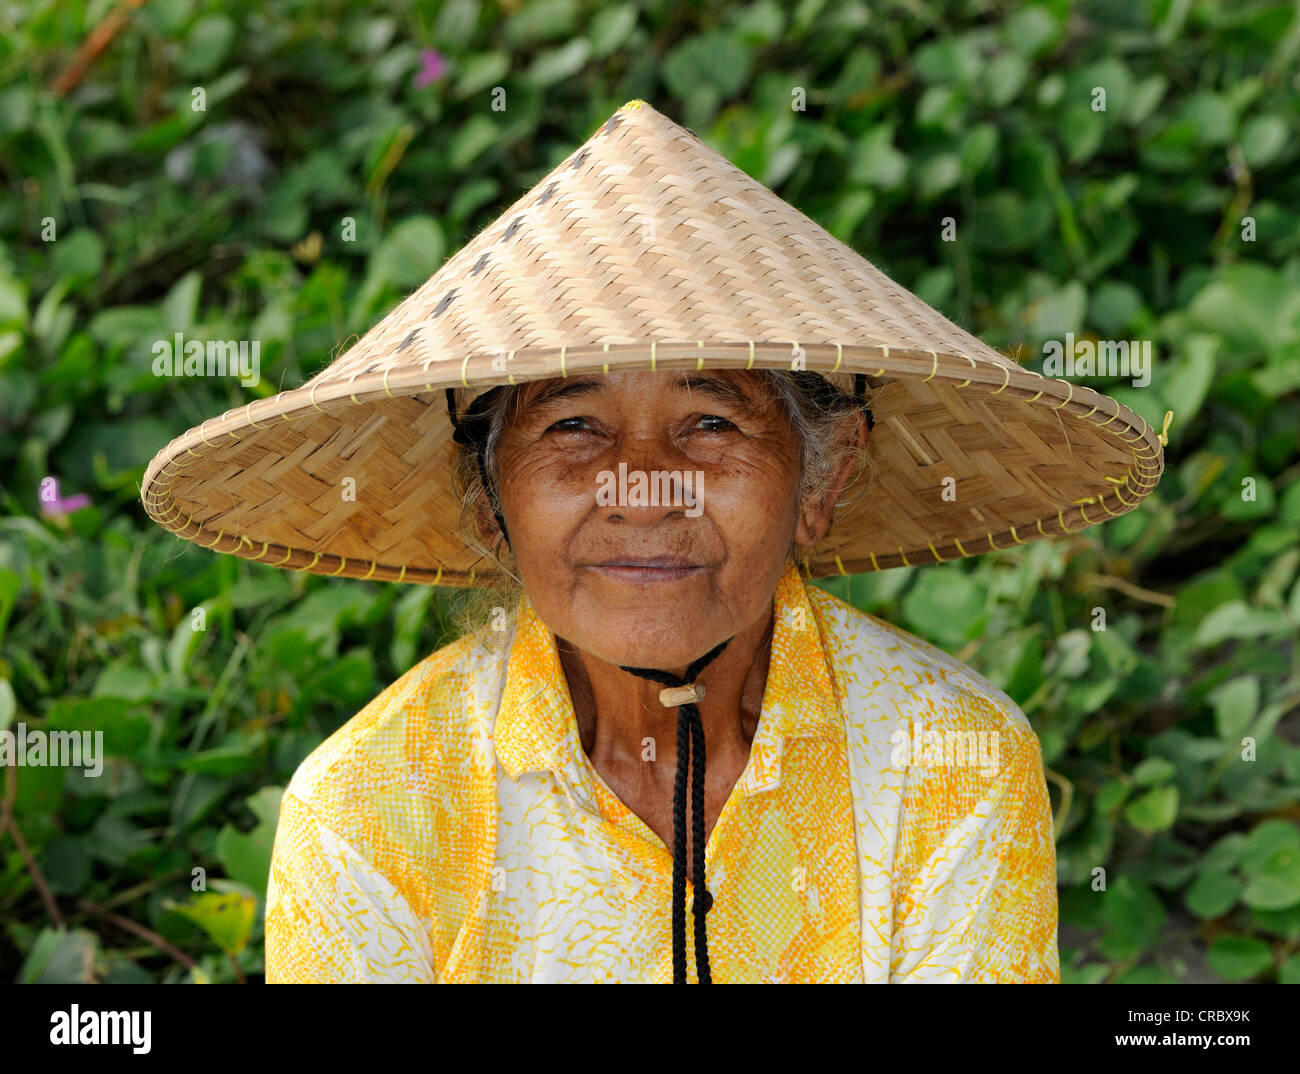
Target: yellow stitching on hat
[(286, 417), (874, 565), (287, 553), (249, 416), (936, 553), (386, 391), (794, 346), (1103, 424), (1016, 537), (840, 565), (839, 356), (1083, 513), (1069, 395), (934, 368), (353, 395), (471, 575), (605, 365), (904, 556), (262, 552), (312, 395), (437, 577), (1090, 412), (204, 438), (215, 539), (652, 355), (342, 563), (699, 361), (402, 574), (1084, 499), (314, 558), (751, 355), (959, 547), (1061, 519), (1006, 373), (1034, 398), (991, 544), (462, 371), (373, 564), (1164, 432), (1102, 501), (632, 105), (563, 371), (966, 383)]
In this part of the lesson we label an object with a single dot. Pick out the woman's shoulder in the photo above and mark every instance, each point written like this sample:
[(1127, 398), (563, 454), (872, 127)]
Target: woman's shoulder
[(422, 727), (876, 662)]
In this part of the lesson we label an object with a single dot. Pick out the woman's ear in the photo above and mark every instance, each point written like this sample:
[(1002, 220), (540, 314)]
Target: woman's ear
[(815, 516)]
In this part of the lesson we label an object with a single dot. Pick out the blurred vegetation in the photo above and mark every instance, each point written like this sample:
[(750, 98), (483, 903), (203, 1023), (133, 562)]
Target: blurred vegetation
[(228, 223)]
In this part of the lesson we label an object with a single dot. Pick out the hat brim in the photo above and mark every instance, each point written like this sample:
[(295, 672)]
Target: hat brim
[(966, 457)]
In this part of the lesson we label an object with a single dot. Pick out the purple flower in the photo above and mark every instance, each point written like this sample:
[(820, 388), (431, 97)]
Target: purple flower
[(432, 66), (53, 505)]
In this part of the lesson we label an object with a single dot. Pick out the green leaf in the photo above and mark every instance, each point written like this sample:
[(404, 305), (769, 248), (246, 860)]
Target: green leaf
[(1213, 894), (558, 64), (1236, 703), (715, 60), (61, 957), (1133, 912), (410, 253), (610, 28), (482, 72), (227, 917), (1154, 770), (1154, 811), (1262, 138), (246, 857), (1239, 958), (1236, 619), (1265, 840), (1275, 885), (946, 606)]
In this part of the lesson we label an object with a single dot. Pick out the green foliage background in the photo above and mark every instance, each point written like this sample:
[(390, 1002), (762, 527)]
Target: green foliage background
[(227, 224)]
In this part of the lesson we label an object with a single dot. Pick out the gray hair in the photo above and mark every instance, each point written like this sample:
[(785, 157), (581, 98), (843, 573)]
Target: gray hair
[(817, 413)]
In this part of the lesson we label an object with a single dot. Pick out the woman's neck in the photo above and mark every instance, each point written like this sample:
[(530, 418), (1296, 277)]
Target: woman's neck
[(618, 712)]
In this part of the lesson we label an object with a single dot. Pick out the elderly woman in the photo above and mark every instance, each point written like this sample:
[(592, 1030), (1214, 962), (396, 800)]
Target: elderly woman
[(665, 755)]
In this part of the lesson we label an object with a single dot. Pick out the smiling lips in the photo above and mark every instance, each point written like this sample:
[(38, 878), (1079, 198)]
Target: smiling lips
[(648, 569)]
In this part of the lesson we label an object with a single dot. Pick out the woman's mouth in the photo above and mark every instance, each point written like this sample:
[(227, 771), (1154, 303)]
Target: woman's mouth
[(648, 570)]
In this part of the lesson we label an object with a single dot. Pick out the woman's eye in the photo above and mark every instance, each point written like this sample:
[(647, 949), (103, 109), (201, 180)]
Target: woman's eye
[(722, 425), (564, 426)]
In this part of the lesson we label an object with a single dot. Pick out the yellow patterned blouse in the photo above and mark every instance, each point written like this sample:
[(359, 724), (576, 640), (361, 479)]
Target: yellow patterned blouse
[(892, 824)]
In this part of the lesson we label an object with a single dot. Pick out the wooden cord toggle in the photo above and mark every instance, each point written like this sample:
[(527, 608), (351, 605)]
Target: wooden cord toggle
[(671, 696)]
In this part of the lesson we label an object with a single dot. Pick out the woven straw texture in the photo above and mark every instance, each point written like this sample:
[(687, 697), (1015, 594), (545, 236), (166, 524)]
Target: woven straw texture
[(645, 249)]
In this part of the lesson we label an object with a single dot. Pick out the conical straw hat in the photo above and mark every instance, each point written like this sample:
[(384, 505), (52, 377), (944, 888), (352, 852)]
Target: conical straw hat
[(645, 249)]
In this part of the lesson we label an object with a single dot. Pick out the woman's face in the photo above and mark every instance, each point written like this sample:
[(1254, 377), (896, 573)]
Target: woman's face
[(625, 578)]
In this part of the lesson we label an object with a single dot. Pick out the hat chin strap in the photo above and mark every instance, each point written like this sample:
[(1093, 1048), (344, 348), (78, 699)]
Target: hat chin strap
[(686, 692)]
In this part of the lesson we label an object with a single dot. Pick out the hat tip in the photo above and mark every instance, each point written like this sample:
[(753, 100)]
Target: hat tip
[(632, 105)]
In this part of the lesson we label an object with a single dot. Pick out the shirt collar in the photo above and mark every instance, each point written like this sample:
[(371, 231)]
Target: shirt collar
[(536, 727)]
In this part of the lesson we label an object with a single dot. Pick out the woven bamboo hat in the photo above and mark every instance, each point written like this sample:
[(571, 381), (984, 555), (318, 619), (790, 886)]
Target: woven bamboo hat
[(645, 249)]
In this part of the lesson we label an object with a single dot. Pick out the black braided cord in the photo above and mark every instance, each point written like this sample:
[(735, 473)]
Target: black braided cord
[(690, 750)]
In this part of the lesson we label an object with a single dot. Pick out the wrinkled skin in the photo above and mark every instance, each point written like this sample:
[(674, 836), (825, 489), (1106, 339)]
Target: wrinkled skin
[(717, 423)]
